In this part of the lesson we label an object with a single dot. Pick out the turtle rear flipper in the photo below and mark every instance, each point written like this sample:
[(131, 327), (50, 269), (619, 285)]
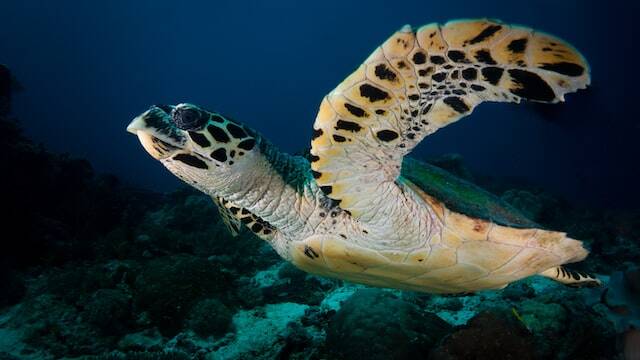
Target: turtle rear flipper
[(571, 278)]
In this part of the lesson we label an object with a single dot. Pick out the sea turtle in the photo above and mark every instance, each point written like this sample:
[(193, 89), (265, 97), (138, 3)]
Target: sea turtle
[(357, 208)]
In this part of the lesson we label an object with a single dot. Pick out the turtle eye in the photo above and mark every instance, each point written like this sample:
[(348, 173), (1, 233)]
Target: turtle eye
[(189, 119)]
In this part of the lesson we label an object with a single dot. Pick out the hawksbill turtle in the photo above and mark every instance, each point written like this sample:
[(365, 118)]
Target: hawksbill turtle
[(357, 208)]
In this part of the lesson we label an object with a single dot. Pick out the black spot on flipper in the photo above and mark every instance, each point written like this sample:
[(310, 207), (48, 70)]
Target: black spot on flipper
[(316, 134), (348, 126), (383, 72), (218, 134), (414, 97), (477, 87), (456, 104), (219, 154), (316, 175), (484, 56), (234, 210), (380, 112), (199, 139), (387, 135), (531, 86), (256, 227), (486, 33), (439, 77), (339, 138), (356, 111), (564, 68), (326, 189), (236, 131), (310, 253), (314, 158), (457, 56), (247, 144), (517, 46), (437, 59), (191, 161), (419, 58), (575, 275), (469, 74), (492, 74), (246, 220), (373, 93)]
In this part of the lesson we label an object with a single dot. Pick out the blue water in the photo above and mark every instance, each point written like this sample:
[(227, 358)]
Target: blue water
[(88, 67), (106, 255)]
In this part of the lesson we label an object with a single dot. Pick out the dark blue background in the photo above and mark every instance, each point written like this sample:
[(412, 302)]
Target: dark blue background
[(90, 66)]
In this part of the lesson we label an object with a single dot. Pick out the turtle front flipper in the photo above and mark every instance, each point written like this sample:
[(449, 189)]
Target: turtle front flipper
[(228, 218), (571, 278), (418, 82), (233, 216)]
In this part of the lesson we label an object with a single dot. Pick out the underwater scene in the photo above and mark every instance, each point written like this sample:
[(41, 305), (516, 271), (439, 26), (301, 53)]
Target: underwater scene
[(319, 180)]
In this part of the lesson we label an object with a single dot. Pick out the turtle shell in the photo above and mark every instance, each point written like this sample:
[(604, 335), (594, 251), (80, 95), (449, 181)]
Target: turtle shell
[(481, 243), (462, 196)]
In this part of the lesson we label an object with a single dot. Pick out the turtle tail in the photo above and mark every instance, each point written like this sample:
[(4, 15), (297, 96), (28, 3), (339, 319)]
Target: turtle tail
[(571, 278)]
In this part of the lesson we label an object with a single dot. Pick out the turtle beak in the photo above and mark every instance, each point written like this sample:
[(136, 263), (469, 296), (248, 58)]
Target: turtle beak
[(136, 125), (156, 132), (148, 143)]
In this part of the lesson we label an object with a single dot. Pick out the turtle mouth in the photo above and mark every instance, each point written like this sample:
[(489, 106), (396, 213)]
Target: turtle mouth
[(157, 133)]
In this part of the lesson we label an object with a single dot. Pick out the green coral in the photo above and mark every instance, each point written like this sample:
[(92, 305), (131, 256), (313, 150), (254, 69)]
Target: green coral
[(109, 310), (541, 317), (168, 287), (210, 317), (373, 324)]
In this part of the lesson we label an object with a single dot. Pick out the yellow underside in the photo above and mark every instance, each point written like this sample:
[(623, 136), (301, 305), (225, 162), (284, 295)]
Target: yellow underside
[(466, 255)]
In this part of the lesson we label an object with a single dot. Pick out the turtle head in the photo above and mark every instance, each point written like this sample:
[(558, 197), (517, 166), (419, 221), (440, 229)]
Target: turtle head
[(196, 145)]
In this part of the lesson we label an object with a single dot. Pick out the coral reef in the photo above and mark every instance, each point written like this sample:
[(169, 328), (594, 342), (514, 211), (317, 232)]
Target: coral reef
[(168, 287), (488, 336), (209, 317), (363, 328)]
